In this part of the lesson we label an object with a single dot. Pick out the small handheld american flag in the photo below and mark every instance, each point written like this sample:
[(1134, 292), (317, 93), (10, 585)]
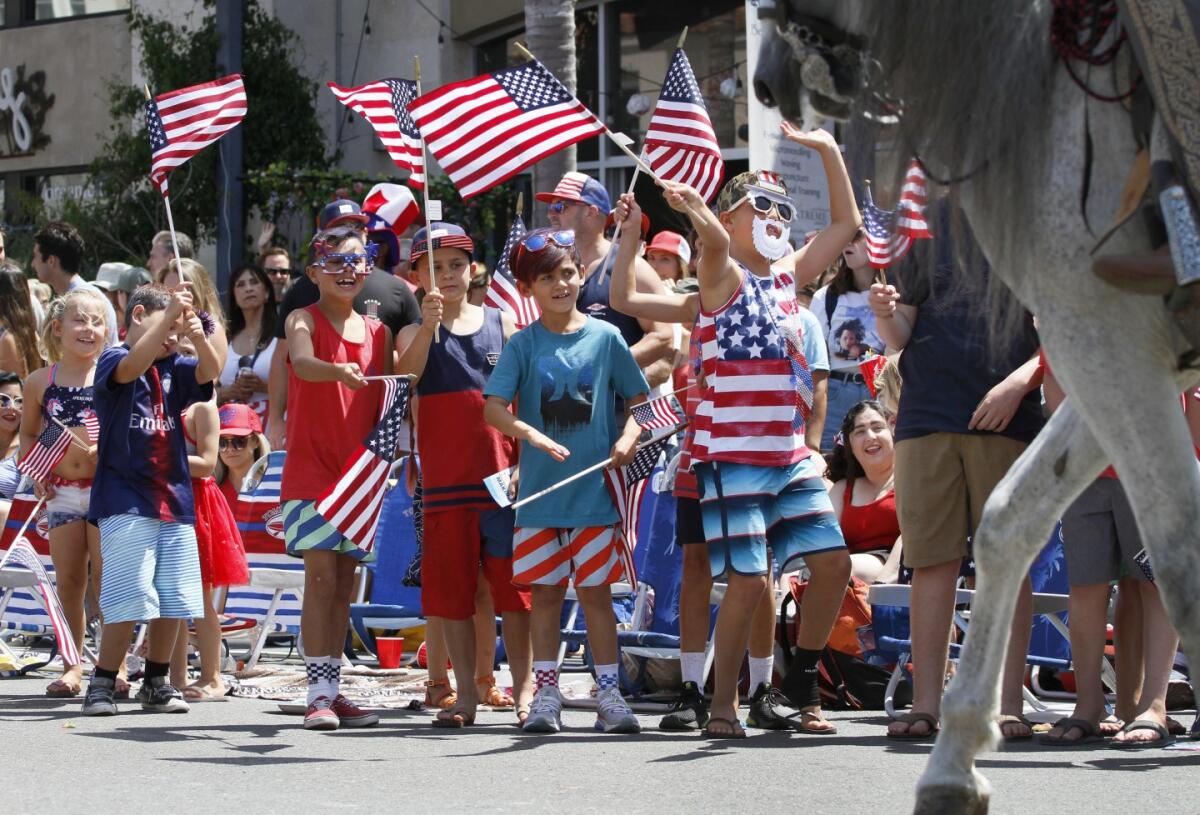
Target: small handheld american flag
[(503, 292), (890, 234), (183, 122), (384, 104), (46, 452), (626, 486), (680, 142), (92, 422), (351, 504), (485, 130), (658, 413)]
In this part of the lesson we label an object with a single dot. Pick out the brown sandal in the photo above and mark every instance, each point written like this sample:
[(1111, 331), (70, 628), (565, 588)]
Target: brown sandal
[(446, 701), (492, 696), (453, 719)]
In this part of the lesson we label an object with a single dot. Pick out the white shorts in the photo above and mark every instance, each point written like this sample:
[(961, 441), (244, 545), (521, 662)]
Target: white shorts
[(69, 504)]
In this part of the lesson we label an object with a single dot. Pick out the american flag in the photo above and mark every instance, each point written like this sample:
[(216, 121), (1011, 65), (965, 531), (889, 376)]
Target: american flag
[(92, 422), (45, 453), (351, 505), (503, 292), (384, 104), (485, 130), (183, 122), (22, 553), (680, 142), (625, 487), (890, 234), (663, 411)]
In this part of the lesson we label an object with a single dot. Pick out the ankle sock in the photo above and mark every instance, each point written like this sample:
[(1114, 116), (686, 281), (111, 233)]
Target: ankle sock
[(101, 673), (333, 681), (691, 665), (545, 674), (606, 676), (320, 675), (760, 672), (802, 687), (155, 670)]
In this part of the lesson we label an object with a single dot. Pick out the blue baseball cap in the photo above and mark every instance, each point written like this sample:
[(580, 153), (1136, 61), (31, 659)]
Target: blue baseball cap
[(581, 188), (340, 212)]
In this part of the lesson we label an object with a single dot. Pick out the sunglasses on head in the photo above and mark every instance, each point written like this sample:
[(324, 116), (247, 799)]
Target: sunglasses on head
[(236, 442), (763, 204), (7, 401)]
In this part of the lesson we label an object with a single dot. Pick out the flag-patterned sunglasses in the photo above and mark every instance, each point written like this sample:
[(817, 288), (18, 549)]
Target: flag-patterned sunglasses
[(335, 263)]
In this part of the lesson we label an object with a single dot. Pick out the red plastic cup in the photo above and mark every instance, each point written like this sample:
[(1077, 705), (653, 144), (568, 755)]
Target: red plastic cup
[(389, 650)]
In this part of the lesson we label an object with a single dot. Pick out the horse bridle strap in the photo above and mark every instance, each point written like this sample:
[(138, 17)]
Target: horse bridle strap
[(805, 31)]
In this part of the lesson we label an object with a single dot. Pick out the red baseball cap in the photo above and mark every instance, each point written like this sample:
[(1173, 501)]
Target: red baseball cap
[(673, 244), (611, 221), (238, 420)]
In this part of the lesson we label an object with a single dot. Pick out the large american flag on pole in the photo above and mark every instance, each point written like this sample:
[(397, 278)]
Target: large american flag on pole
[(680, 143), (45, 453), (890, 234), (384, 104), (503, 292), (486, 130), (626, 486), (351, 504), (183, 122)]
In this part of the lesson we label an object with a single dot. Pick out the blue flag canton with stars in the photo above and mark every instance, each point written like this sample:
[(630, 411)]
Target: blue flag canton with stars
[(681, 83), (532, 86), (403, 92), (386, 435), (750, 333), (515, 233), (879, 223), (154, 126), (644, 461)]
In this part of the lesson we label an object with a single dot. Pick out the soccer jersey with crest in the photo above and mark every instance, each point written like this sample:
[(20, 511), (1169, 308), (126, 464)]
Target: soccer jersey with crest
[(757, 388)]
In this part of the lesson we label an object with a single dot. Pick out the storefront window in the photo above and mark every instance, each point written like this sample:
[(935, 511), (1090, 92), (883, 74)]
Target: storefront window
[(60, 9)]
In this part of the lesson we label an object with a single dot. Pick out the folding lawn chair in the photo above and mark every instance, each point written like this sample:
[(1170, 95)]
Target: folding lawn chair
[(393, 605)]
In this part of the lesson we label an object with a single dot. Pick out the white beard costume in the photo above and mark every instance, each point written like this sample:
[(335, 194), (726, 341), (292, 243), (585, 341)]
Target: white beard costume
[(771, 248)]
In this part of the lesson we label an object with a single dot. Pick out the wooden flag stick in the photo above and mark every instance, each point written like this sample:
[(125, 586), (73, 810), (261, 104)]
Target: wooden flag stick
[(78, 442), (437, 330), (382, 377), (682, 37)]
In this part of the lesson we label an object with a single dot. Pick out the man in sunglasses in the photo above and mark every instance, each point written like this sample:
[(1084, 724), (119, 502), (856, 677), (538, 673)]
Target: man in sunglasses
[(393, 302), (277, 263), (581, 204)]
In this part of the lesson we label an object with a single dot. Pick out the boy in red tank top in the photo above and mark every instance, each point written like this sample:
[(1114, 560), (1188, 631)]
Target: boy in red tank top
[(331, 349), (466, 534)]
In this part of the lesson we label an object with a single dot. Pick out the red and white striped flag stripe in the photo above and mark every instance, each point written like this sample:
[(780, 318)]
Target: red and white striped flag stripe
[(890, 234), (657, 413), (485, 130), (351, 504), (503, 292), (45, 453), (92, 422), (183, 122), (680, 142), (22, 553), (384, 104)]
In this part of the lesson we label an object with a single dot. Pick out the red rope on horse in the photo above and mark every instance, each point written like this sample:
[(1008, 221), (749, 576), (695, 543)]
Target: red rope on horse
[(1077, 29)]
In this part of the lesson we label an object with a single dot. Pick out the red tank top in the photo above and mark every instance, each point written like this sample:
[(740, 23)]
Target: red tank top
[(870, 527), (326, 421)]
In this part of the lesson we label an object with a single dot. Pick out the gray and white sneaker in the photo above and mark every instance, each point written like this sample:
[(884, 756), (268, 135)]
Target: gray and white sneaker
[(545, 712), (613, 714), (99, 698), (157, 694)]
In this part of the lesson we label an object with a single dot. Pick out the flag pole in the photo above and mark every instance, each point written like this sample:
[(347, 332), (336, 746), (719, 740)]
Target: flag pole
[(437, 330), (615, 139), (599, 465), (74, 439), (167, 202)]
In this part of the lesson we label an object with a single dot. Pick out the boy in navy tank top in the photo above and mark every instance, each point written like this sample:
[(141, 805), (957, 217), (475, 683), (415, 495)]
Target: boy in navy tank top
[(467, 536)]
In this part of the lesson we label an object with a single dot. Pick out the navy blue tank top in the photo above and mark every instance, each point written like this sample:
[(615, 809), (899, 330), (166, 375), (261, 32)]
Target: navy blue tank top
[(594, 301), (69, 405), (463, 362)]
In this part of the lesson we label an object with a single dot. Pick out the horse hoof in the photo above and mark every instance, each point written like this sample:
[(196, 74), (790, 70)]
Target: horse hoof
[(945, 800)]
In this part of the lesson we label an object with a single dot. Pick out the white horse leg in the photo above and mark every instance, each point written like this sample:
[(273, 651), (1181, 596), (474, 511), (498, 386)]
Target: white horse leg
[(1017, 521)]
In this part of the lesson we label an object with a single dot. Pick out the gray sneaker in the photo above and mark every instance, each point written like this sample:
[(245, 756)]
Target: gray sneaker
[(157, 694), (99, 698), (613, 715), (545, 712)]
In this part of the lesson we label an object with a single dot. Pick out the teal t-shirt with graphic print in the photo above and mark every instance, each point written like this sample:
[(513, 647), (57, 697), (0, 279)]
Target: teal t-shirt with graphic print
[(566, 386)]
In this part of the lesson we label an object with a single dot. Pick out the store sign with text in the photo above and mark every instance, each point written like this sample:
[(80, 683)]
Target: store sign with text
[(23, 106)]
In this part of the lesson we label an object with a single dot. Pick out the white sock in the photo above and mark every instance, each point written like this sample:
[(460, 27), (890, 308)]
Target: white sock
[(760, 671), (691, 664), (316, 673), (606, 676), (334, 680)]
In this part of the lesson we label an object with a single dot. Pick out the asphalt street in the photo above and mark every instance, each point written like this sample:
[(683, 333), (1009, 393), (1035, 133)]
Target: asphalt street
[(245, 756)]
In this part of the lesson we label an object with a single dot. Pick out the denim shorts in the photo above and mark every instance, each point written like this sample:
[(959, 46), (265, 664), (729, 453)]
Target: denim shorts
[(69, 504)]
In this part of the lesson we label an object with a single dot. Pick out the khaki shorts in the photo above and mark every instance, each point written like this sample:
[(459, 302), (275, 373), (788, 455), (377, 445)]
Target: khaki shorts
[(942, 482)]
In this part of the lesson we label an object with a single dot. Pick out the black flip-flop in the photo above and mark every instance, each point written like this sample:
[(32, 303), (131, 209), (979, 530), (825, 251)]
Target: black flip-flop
[(1091, 734), (1164, 739), (736, 731)]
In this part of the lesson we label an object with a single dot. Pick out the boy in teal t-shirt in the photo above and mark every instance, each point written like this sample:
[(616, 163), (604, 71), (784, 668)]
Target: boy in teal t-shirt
[(565, 372)]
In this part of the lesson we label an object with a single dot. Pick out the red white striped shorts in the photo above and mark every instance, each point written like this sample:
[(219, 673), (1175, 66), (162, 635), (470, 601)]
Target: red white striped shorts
[(548, 556)]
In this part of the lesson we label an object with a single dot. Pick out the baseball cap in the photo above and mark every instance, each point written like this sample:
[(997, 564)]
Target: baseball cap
[(580, 187), (673, 244), (238, 420), (339, 212), (109, 275), (761, 181), (131, 278), (445, 236)]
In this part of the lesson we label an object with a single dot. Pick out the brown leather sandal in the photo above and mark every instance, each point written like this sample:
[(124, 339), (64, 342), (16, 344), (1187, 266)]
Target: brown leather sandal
[(446, 700), (491, 695)]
